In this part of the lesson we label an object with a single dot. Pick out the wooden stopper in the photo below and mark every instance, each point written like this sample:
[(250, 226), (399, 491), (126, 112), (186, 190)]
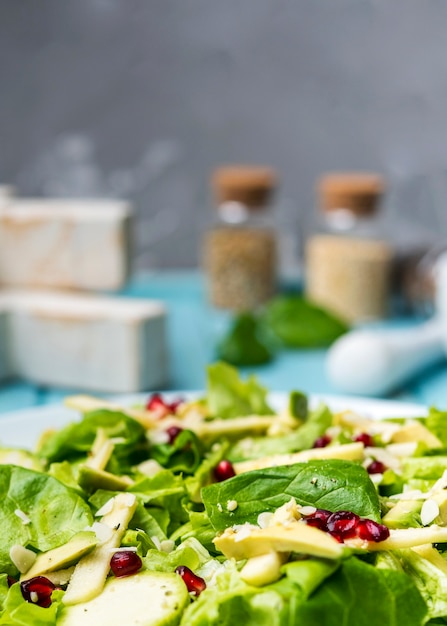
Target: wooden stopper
[(252, 186), (359, 193)]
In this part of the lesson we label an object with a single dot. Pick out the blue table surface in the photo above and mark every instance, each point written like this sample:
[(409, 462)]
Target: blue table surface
[(193, 330)]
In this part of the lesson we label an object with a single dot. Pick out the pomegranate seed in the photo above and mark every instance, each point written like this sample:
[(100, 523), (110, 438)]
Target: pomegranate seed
[(175, 405), (11, 581), (224, 470), (322, 441), (125, 563), (366, 439), (342, 525), (38, 590), (158, 405), (173, 432), (372, 531), (318, 519), (376, 467), (194, 583)]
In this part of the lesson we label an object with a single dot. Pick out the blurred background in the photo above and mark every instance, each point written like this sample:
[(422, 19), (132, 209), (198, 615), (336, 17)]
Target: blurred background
[(143, 98)]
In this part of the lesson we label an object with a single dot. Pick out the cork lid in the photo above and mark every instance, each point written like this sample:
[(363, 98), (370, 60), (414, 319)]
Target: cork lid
[(353, 191), (250, 185)]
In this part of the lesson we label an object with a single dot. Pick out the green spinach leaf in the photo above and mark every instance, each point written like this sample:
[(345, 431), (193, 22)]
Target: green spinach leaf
[(334, 485), (246, 343), (300, 324)]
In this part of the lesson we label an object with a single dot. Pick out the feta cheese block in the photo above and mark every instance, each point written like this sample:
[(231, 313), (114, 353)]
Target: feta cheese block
[(6, 370), (113, 345), (65, 244), (7, 193)]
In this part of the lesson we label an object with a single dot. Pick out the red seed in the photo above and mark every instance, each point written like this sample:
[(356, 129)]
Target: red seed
[(366, 439), (125, 563), (194, 583), (376, 467), (173, 432), (224, 470), (175, 405), (322, 441), (38, 590), (11, 581), (157, 404), (343, 525), (318, 519), (372, 531)]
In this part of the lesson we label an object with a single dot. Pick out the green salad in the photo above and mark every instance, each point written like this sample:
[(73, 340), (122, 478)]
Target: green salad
[(219, 511)]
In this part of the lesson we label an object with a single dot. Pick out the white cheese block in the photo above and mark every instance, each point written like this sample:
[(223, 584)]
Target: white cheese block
[(61, 243), (7, 193), (6, 370), (113, 345)]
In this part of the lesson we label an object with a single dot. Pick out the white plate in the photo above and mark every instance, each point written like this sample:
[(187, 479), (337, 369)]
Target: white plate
[(23, 428)]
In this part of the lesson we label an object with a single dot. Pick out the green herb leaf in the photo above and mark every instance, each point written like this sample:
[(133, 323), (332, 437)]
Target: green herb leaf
[(334, 485), (76, 439), (300, 324), (55, 511), (246, 343), (362, 595), (229, 396), (303, 437), (183, 455)]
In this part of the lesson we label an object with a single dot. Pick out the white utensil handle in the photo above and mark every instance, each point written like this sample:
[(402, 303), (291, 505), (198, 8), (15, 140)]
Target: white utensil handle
[(373, 362)]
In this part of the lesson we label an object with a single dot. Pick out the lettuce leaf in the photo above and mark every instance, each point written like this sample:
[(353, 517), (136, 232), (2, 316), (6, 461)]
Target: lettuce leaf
[(229, 396), (76, 439), (234, 602), (18, 612), (55, 511), (436, 422), (429, 579), (302, 438), (183, 455), (359, 594)]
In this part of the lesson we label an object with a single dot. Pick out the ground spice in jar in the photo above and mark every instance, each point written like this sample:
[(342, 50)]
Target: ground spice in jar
[(348, 268), (240, 251), (349, 277)]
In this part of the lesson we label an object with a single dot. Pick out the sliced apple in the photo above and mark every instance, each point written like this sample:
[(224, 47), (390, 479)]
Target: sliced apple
[(249, 541), (349, 452), (91, 571)]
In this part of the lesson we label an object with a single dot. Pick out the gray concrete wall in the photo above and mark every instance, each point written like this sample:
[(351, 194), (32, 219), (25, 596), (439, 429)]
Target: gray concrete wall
[(144, 97)]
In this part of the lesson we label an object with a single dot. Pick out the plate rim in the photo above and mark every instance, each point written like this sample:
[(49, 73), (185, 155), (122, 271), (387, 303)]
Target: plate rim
[(21, 428)]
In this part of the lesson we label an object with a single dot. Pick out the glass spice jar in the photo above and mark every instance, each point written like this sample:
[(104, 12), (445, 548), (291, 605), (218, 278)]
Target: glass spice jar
[(240, 250), (348, 264)]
